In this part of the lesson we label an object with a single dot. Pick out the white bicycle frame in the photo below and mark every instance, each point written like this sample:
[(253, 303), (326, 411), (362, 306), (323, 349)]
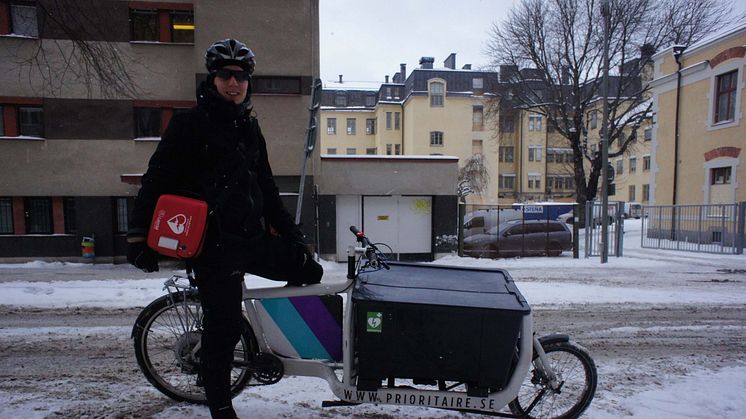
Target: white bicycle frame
[(344, 387)]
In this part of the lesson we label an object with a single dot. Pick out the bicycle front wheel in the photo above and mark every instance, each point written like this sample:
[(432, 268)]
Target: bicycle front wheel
[(577, 376), (167, 338)]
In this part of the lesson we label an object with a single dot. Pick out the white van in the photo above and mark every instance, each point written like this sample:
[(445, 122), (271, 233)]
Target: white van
[(481, 221)]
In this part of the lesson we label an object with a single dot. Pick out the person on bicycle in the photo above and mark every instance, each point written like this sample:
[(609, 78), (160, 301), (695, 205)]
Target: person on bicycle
[(216, 152)]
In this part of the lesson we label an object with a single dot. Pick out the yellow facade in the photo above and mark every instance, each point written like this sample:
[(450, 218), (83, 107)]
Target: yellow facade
[(712, 133)]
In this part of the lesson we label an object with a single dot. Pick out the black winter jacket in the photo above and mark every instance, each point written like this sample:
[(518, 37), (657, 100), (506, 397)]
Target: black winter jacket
[(198, 155)]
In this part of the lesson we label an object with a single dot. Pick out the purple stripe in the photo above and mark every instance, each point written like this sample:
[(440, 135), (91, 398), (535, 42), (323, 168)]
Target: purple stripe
[(321, 323)]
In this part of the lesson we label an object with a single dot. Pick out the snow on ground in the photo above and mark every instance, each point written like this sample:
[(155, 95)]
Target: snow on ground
[(642, 276)]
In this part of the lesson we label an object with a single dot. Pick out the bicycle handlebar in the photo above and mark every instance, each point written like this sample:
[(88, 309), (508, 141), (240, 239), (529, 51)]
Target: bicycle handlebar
[(371, 251)]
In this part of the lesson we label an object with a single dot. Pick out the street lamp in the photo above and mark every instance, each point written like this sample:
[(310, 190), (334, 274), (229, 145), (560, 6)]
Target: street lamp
[(606, 13)]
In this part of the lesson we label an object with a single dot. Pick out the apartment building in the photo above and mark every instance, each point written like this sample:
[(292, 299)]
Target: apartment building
[(428, 112), (72, 148), (699, 131)]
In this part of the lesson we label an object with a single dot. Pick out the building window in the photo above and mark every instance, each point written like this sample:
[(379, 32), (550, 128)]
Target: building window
[(436, 138), (633, 164), (6, 216), (534, 123), (146, 25), (506, 182), (388, 120), (340, 99), (389, 149), (645, 163), (720, 176), (182, 27), (725, 99), (397, 120), (477, 83), (437, 91), (476, 147), (69, 214), (477, 118), (550, 155), (23, 19), (370, 126), (351, 129), (370, 100), (331, 151), (534, 153), (122, 215), (147, 122), (507, 123), (38, 215), (31, 121), (505, 154), (534, 181), (396, 93), (351, 151), (371, 151), (2, 122), (594, 119), (648, 134), (620, 167), (331, 126), (397, 149), (645, 193), (388, 93), (631, 193)]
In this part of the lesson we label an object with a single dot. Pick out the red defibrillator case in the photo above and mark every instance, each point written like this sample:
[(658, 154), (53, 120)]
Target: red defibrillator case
[(178, 226)]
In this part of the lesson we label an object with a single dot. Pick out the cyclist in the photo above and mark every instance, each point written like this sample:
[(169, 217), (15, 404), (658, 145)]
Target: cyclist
[(202, 151)]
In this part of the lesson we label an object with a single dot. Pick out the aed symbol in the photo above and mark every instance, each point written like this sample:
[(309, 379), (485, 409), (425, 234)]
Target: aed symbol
[(177, 223)]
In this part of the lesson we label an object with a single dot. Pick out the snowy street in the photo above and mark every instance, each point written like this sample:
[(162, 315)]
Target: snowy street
[(667, 331)]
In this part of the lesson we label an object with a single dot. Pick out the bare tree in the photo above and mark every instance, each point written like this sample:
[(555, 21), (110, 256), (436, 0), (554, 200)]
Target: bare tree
[(550, 56), (473, 177), (76, 46)]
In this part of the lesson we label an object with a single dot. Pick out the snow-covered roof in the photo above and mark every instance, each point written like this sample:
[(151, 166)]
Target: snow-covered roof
[(352, 85), (386, 157)]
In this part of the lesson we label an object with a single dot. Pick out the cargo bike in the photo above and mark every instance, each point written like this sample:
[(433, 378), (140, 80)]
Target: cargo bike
[(392, 333)]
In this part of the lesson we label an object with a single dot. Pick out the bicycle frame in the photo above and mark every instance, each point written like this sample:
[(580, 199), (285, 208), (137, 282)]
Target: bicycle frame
[(343, 386)]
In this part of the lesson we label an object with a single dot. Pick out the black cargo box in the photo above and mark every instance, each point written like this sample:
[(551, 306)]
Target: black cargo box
[(437, 323)]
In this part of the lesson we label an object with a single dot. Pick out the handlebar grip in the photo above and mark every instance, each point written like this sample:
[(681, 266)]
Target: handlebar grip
[(354, 230)]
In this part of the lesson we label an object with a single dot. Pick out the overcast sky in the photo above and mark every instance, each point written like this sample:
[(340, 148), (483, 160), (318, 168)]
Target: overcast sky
[(365, 40)]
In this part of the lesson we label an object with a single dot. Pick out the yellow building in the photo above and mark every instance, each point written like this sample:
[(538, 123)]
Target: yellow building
[(697, 94), (429, 112)]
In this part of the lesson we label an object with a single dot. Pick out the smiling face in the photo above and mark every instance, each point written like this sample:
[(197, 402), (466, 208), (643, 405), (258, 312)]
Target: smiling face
[(232, 90)]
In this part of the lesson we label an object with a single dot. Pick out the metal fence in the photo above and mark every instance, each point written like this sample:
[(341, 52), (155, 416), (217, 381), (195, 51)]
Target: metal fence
[(594, 229), (696, 228)]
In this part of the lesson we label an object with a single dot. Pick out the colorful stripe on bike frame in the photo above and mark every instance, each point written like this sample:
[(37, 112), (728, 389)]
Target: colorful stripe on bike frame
[(308, 326)]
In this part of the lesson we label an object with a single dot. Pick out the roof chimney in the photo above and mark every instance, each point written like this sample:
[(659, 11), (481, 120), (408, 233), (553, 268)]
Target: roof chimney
[(340, 79), (403, 71), (450, 62), (387, 78), (427, 62)]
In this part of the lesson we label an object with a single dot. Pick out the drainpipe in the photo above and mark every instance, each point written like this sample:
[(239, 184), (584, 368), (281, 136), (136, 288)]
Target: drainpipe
[(402, 127), (678, 50)]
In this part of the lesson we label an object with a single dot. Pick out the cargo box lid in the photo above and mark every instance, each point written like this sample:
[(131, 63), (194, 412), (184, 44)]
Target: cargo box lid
[(442, 285)]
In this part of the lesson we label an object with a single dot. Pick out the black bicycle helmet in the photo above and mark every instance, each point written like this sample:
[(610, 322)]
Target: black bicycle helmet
[(227, 52)]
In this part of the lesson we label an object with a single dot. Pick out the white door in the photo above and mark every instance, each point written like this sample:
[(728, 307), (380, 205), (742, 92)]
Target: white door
[(348, 214), (402, 222)]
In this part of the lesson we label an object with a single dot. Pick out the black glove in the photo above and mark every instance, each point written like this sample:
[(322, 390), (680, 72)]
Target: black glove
[(142, 257)]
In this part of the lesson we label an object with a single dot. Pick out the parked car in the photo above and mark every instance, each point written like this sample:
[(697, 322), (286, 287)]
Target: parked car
[(520, 238)]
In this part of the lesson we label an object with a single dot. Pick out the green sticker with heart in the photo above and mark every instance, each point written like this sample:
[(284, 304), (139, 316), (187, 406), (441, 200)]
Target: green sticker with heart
[(375, 322)]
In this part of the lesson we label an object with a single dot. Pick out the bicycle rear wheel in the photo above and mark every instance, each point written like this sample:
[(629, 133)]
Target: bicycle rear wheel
[(578, 378), (166, 334)]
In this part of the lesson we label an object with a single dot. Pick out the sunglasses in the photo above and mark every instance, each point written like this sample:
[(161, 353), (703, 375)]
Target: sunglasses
[(239, 75)]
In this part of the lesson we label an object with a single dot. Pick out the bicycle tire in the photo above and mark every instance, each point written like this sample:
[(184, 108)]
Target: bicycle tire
[(577, 372), (163, 344)]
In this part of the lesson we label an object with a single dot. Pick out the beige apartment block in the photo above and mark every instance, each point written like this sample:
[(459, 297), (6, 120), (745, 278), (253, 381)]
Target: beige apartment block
[(430, 112), (698, 92)]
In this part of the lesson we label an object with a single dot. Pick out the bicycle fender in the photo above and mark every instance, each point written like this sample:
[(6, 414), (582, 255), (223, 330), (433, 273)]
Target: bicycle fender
[(554, 338)]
